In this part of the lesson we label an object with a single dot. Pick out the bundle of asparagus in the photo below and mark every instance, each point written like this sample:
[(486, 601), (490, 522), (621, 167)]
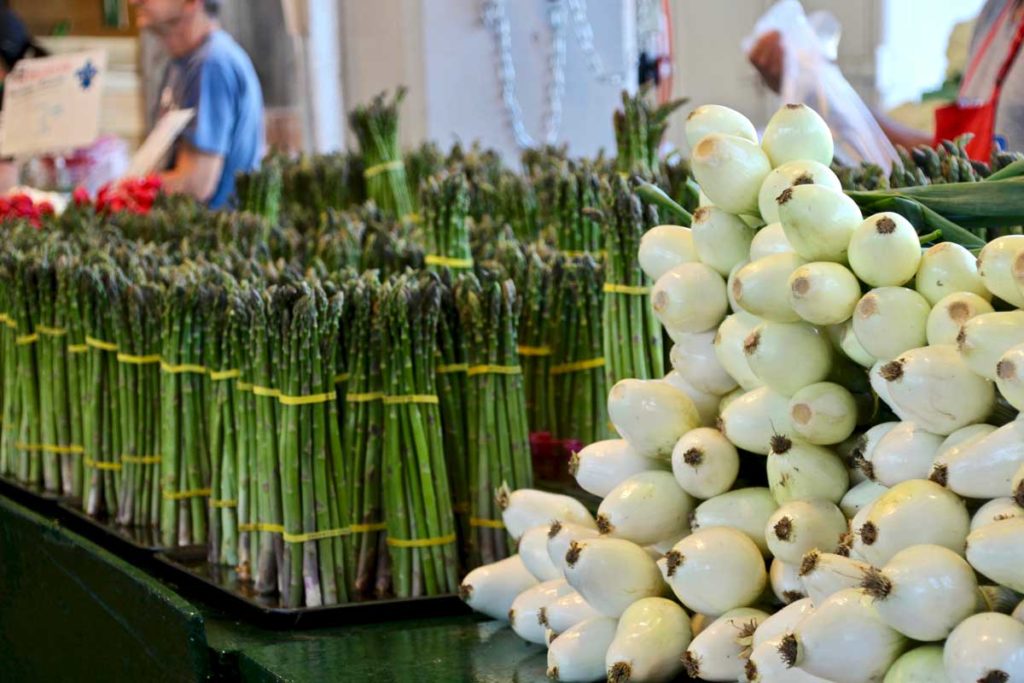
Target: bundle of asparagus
[(444, 203), (578, 197), (417, 499), (498, 435), (639, 129), (534, 336), (376, 128), (318, 183), (259, 192)]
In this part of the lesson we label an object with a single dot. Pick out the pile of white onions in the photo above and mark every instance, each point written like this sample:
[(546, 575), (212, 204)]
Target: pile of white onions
[(874, 379)]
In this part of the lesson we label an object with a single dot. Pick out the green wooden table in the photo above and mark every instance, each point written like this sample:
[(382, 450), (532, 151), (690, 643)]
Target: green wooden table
[(73, 611)]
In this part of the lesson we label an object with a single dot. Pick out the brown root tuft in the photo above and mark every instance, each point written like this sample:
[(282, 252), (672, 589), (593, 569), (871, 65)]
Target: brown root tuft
[(940, 474), (511, 617), (868, 306), (892, 371), (801, 413), (868, 533), (783, 529), (885, 225), (556, 526), (801, 286), (788, 650), (786, 195), (750, 669), (691, 520), (1018, 494), (792, 596), (747, 630), (604, 525), (995, 676), (845, 545), (865, 466), (542, 616), (796, 105), (620, 672), (701, 214), (875, 583), (674, 560), (1005, 369), (465, 592), (958, 312), (809, 562), (961, 339), (780, 444), (737, 291), (573, 554), (803, 179), (574, 463), (691, 663), (751, 343), (693, 457), (553, 673)]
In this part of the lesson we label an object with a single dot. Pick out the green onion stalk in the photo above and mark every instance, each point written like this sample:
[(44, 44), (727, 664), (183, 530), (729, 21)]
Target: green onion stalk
[(499, 448), (632, 335), (534, 335), (376, 128), (417, 498)]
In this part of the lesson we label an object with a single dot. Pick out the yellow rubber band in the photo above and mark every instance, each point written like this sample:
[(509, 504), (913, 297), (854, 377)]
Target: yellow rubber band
[(27, 339), (78, 348), (451, 369), (63, 450), (184, 495), (243, 386), (30, 447), (534, 350), (412, 217), (262, 526), (368, 528), (307, 400), (420, 542), (129, 359), (104, 466), (100, 344), (343, 377), (612, 288), (221, 375), (495, 370), (438, 260), (486, 523), (51, 331), (223, 503), (268, 392), (184, 368), (141, 459), (577, 254), (578, 366), (411, 398), (315, 535), (8, 320), (377, 169), (364, 398)]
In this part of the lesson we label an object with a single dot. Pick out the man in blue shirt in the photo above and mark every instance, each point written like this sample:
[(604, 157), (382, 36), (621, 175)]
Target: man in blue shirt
[(211, 73)]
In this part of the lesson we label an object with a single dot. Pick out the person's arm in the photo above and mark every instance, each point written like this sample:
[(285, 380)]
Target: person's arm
[(195, 173), (900, 134)]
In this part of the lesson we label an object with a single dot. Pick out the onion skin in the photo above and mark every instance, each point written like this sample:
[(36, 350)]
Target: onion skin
[(891, 320), (560, 538), (802, 526), (664, 247), (651, 415), (728, 344), (801, 471), (995, 266), (823, 293), (984, 467), (717, 652), (715, 570), (693, 357), (1010, 376), (823, 414), (905, 452), (825, 574), (646, 508), (819, 221), (782, 622), (523, 615), (649, 643), (567, 611), (533, 550), (771, 239), (746, 510), (985, 648), (885, 250), (799, 172), (690, 298), (715, 118), (920, 665), (722, 239), (950, 313), (948, 268), (785, 581), (795, 132), (704, 463), (750, 421), (997, 551), (766, 665), (730, 171), (707, 405), (984, 339), (601, 466), (492, 588), (611, 574), (524, 509), (578, 654), (761, 287), (860, 496), (994, 511), (788, 356)]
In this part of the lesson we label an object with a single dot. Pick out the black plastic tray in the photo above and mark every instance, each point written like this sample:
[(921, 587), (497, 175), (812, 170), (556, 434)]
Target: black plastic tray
[(136, 540), (220, 586), (30, 496)]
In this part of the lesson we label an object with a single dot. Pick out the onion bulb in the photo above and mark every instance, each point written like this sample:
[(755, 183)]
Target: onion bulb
[(784, 579), (934, 388), (950, 313), (491, 589), (730, 171), (995, 510), (891, 320), (984, 339), (803, 525), (995, 266), (523, 509), (665, 247), (651, 415), (704, 463), (729, 349), (766, 665), (524, 615), (984, 467), (650, 640), (611, 574), (788, 356), (646, 508), (761, 287), (997, 551), (823, 413), (824, 574), (690, 298), (798, 470), (782, 622), (603, 465), (565, 612), (920, 665), (714, 118), (823, 293), (1010, 376), (905, 452), (718, 652), (885, 250), (860, 496), (852, 347), (795, 131), (751, 420), (707, 405), (693, 357), (914, 512), (771, 239), (798, 172), (923, 592), (722, 239), (715, 570), (746, 510), (948, 268), (844, 640), (561, 536), (533, 549), (985, 648), (818, 221), (578, 654)]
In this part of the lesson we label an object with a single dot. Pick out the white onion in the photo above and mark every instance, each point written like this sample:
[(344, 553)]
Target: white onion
[(994, 511), (730, 290), (766, 665), (718, 652), (714, 118), (524, 614), (650, 640), (693, 357), (933, 387), (818, 221), (729, 348), (782, 622), (823, 413), (985, 338), (561, 536), (798, 470), (912, 513), (578, 654), (788, 356), (798, 172), (867, 441), (715, 570), (690, 298), (885, 250), (664, 247), (961, 438), (997, 551), (533, 549), (492, 588), (611, 574), (771, 239), (1018, 612), (920, 665), (746, 510), (860, 496), (804, 525), (923, 592), (823, 293), (784, 579), (905, 452), (985, 648), (984, 467), (707, 405), (852, 347), (565, 612), (730, 171), (524, 509), (995, 266), (761, 287), (824, 574), (646, 508), (795, 131), (891, 320), (722, 239), (603, 465), (950, 313), (651, 415), (948, 268), (751, 420), (1010, 376), (844, 640), (705, 463)]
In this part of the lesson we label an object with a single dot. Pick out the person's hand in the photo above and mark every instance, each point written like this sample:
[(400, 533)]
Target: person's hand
[(766, 56)]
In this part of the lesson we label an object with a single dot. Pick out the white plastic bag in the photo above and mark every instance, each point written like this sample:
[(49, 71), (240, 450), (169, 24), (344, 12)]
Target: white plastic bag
[(810, 76)]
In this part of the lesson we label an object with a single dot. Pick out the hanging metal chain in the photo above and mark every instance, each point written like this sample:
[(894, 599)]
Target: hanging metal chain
[(585, 39), (496, 19)]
